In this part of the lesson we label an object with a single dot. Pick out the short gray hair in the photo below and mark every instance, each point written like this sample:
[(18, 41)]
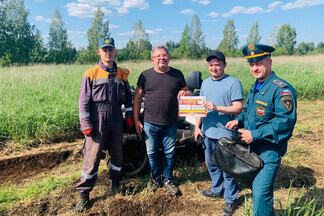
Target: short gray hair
[(159, 46)]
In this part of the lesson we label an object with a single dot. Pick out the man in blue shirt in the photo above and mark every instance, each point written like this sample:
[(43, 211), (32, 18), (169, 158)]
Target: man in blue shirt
[(224, 96), (268, 118)]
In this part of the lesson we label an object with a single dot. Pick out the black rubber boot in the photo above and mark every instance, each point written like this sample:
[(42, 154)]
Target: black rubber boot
[(114, 184), (83, 204)]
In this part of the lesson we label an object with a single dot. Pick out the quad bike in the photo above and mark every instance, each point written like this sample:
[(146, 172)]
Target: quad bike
[(135, 159)]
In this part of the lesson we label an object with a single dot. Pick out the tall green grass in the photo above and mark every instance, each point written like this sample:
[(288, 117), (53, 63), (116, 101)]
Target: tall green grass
[(41, 102), (307, 203)]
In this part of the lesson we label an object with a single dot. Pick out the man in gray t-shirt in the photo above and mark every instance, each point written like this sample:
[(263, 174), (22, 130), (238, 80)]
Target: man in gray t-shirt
[(224, 96)]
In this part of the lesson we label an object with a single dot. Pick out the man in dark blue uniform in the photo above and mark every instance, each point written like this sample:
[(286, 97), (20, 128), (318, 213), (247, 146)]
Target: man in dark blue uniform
[(268, 118)]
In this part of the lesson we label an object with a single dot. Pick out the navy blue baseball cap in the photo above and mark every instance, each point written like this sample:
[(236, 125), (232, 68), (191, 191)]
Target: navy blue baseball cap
[(218, 55), (256, 51), (108, 41)]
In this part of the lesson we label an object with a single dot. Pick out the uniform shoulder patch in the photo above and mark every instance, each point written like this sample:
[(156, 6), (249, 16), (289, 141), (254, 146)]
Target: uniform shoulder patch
[(287, 102), (279, 83)]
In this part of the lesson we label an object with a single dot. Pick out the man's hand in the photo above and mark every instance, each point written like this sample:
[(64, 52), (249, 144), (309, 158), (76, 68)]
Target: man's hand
[(88, 132), (232, 124), (130, 122), (184, 93), (211, 106), (197, 133), (139, 127), (246, 136)]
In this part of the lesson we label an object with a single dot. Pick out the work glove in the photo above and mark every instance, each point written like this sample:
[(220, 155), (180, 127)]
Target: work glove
[(130, 122), (88, 132)]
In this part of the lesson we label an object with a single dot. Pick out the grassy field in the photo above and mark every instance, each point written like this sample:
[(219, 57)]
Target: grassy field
[(40, 102)]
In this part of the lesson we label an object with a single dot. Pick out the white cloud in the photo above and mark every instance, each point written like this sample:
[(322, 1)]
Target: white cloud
[(274, 4), (114, 26), (85, 10), (301, 4), (187, 11), (122, 10), (213, 14), (125, 33), (204, 2), (140, 4), (167, 2), (42, 19), (253, 10), (243, 36), (244, 10), (209, 21), (239, 29), (101, 2), (155, 31)]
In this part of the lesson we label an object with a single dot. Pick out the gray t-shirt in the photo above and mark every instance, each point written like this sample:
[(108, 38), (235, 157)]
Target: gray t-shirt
[(222, 93), (161, 91)]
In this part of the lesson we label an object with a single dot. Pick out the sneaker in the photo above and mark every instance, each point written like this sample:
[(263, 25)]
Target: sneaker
[(229, 209), (209, 194), (171, 187)]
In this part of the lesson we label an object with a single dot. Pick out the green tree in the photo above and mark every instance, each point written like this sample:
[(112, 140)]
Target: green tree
[(171, 45), (38, 52), (60, 49), (141, 40), (320, 45), (304, 48), (228, 45), (17, 36), (197, 40), (99, 28), (182, 50), (286, 38), (254, 36)]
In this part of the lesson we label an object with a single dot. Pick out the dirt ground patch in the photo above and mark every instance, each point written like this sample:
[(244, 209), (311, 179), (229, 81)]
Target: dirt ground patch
[(303, 163)]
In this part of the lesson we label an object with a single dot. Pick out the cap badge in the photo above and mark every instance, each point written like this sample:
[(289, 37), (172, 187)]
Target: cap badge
[(251, 47), (107, 41)]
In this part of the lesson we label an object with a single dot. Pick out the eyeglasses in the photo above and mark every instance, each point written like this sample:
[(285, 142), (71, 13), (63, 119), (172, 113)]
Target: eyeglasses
[(160, 56)]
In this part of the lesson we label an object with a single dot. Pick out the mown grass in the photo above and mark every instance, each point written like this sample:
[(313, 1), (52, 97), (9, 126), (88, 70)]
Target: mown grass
[(41, 102)]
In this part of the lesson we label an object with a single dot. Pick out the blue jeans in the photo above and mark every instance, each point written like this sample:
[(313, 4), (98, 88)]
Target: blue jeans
[(218, 177), (154, 136)]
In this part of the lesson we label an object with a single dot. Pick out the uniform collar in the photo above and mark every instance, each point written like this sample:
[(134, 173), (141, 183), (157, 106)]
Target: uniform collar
[(266, 84), (105, 68)]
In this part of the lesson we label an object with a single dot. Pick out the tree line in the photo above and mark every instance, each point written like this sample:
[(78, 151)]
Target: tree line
[(21, 43)]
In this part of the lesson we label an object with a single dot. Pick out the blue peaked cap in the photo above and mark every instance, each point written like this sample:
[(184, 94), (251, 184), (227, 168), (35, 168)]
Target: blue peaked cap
[(257, 51)]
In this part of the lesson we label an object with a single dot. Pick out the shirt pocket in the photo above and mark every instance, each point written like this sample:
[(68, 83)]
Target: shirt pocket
[(99, 92), (263, 110)]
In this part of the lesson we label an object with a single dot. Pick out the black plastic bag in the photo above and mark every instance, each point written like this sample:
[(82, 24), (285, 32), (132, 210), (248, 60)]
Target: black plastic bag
[(237, 160)]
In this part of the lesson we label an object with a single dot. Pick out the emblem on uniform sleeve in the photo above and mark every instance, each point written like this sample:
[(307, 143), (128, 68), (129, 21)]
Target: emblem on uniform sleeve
[(287, 101), (260, 111)]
